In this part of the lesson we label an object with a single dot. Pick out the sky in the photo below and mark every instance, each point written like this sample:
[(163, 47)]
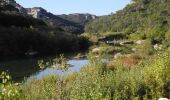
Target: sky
[(97, 7)]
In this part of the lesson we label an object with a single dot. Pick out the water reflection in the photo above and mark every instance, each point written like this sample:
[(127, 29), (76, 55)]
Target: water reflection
[(19, 69), (29, 67), (76, 66)]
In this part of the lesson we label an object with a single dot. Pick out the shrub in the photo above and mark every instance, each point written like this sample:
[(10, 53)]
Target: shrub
[(7, 89), (145, 49), (137, 36), (147, 80)]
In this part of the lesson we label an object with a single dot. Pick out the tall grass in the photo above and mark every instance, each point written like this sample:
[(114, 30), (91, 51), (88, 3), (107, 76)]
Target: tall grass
[(149, 80)]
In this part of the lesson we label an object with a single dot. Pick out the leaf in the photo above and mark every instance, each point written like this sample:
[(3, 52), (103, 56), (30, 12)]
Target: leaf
[(1, 85), (8, 77), (4, 81)]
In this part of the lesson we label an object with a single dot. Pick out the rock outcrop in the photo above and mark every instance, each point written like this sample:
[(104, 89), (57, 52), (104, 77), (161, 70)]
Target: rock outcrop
[(78, 18), (53, 20), (37, 12), (49, 18)]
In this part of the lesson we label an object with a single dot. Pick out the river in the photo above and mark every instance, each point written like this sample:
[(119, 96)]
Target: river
[(21, 69)]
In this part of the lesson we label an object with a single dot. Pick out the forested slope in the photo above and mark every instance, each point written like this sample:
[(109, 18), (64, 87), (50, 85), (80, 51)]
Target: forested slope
[(139, 19)]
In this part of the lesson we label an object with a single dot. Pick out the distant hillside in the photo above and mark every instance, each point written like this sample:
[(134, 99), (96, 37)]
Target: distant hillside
[(11, 15), (22, 34), (53, 20), (40, 13), (78, 18), (139, 19)]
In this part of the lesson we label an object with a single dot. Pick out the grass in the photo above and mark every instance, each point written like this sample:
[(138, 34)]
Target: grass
[(148, 79)]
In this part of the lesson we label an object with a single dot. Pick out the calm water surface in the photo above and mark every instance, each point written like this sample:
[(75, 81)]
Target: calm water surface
[(29, 67), (76, 66)]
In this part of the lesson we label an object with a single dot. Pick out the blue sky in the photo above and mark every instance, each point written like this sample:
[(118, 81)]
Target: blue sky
[(97, 7)]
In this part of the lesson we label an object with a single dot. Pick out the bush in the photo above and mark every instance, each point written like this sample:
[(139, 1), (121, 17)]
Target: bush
[(148, 80), (137, 36), (19, 20), (7, 89), (16, 41), (157, 34), (145, 49)]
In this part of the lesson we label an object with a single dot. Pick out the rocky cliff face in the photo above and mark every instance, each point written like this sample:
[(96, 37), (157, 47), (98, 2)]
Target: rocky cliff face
[(53, 20), (36, 12), (73, 23), (78, 18)]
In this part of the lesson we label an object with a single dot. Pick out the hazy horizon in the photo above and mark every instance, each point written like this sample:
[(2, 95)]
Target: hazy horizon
[(96, 7)]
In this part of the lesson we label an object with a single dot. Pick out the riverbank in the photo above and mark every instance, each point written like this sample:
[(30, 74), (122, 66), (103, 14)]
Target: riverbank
[(149, 79)]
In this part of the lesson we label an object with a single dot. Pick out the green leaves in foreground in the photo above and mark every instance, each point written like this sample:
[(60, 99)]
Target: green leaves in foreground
[(7, 89)]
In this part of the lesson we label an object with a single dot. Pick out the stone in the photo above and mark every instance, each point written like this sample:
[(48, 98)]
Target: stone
[(163, 99), (96, 50), (126, 42), (134, 49), (158, 47), (140, 42), (118, 55)]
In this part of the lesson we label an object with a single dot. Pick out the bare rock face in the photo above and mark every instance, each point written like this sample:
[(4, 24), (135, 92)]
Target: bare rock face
[(49, 18), (53, 20), (36, 12), (79, 18)]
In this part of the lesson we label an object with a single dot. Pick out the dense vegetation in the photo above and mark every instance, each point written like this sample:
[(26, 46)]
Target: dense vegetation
[(17, 41), (18, 20), (21, 34), (148, 80), (139, 72), (140, 19), (8, 8)]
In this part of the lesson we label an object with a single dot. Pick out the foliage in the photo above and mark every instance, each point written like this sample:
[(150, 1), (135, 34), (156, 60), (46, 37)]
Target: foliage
[(7, 90), (59, 63), (156, 76), (33, 35), (8, 8), (147, 80), (15, 20), (17, 41), (135, 78), (137, 36), (145, 49), (143, 17)]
